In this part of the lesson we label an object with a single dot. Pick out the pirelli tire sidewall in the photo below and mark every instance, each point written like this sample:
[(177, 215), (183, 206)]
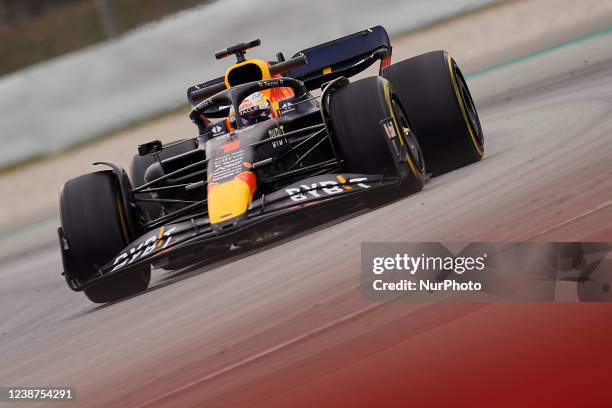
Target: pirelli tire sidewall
[(96, 229), (358, 112), (435, 96)]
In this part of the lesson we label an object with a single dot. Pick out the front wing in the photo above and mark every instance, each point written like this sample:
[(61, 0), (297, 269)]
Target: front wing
[(310, 202)]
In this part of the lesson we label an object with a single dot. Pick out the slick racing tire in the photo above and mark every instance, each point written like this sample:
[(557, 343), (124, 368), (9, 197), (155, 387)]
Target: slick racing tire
[(139, 166), (439, 105), (372, 133), (95, 227)]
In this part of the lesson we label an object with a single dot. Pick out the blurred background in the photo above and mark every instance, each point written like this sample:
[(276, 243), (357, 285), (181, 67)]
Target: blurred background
[(75, 69), (32, 31), (86, 80)]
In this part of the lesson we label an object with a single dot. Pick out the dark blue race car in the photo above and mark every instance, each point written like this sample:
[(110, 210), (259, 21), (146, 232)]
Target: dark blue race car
[(281, 146)]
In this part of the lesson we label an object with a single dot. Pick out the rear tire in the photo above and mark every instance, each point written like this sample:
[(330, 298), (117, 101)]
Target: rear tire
[(439, 105), (358, 112), (95, 227)]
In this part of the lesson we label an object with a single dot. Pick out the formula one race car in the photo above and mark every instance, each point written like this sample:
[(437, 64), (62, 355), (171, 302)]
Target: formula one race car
[(270, 158)]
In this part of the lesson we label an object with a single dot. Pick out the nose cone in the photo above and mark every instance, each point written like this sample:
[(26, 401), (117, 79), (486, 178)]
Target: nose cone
[(232, 198)]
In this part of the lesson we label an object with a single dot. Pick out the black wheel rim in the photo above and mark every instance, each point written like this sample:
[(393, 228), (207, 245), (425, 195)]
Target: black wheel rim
[(468, 103), (412, 144)]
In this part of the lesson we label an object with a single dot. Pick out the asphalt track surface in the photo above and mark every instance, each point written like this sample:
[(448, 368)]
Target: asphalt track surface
[(285, 325)]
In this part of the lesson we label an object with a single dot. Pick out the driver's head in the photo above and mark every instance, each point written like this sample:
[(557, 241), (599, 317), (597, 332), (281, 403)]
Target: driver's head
[(253, 109)]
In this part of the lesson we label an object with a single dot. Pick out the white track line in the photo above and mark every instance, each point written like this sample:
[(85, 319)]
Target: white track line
[(575, 218)]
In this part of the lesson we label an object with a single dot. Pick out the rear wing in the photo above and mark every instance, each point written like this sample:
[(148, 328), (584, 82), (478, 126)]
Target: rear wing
[(346, 56)]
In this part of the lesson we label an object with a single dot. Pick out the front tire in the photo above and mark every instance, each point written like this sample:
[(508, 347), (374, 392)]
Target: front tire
[(359, 112), (439, 105), (96, 228)]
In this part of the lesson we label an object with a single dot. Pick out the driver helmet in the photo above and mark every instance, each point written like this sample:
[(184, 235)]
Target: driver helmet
[(253, 109)]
